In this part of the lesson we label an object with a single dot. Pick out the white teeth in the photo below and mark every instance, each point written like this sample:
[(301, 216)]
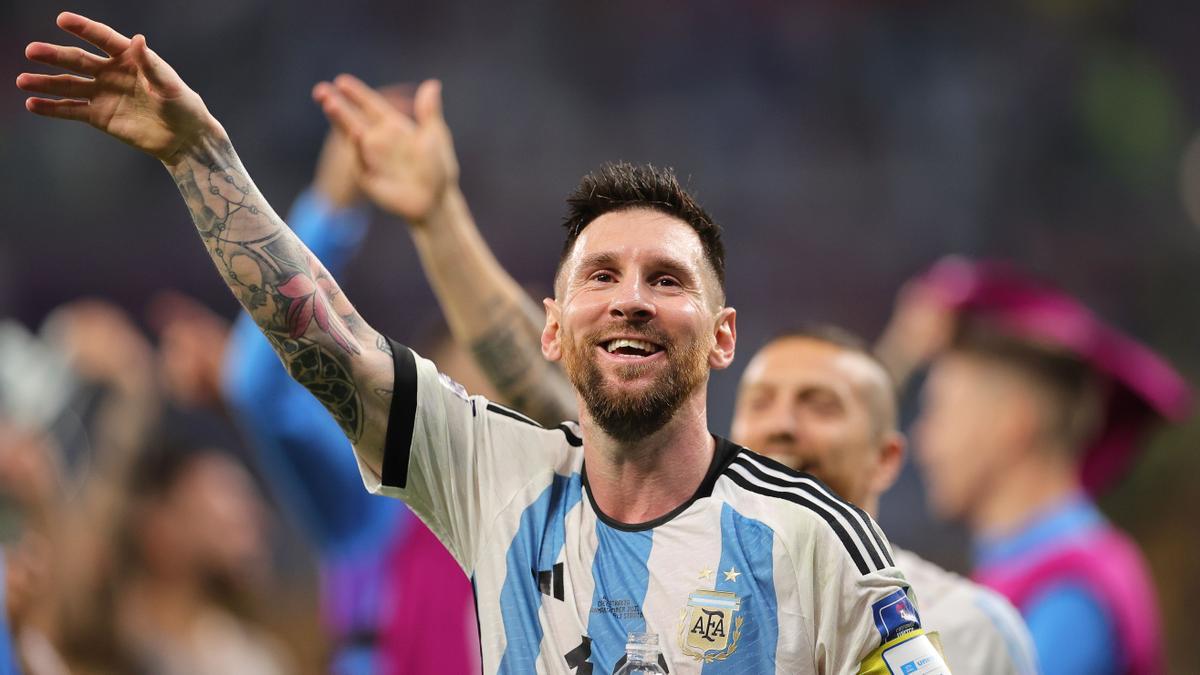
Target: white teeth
[(614, 345)]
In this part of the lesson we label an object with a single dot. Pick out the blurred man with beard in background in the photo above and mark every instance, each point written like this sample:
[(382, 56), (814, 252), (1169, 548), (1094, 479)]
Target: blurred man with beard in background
[(818, 401)]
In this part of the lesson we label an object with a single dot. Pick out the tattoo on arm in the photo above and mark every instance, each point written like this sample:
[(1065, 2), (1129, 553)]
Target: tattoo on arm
[(321, 372), (285, 289), (509, 354), (382, 344)]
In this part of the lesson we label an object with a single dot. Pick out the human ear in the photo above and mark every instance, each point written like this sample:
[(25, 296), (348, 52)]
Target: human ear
[(725, 332), (551, 347)]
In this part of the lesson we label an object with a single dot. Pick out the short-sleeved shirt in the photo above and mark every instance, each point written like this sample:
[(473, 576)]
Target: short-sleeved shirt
[(981, 632), (763, 570)]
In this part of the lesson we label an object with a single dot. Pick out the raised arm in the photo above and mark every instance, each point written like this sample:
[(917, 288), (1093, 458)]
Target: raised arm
[(303, 452), (410, 170), (136, 97), (921, 325)]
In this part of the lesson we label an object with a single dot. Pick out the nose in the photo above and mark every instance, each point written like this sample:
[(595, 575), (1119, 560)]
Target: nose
[(781, 423), (632, 303)]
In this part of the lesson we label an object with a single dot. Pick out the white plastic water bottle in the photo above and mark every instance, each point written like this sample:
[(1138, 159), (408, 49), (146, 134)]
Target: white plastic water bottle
[(641, 655)]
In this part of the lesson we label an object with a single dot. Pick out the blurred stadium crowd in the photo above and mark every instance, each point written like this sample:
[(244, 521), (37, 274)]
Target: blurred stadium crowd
[(150, 526)]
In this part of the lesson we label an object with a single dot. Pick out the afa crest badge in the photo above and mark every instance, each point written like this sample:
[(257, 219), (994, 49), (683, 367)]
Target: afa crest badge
[(710, 626)]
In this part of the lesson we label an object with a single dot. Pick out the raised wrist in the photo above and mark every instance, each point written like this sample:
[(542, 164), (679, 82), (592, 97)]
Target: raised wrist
[(338, 199), (207, 137), (443, 208)]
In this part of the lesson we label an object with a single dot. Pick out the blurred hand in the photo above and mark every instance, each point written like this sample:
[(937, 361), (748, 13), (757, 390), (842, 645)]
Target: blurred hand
[(922, 324), (30, 472), (102, 343), (407, 162), (337, 175), (28, 577), (130, 94), (191, 348)]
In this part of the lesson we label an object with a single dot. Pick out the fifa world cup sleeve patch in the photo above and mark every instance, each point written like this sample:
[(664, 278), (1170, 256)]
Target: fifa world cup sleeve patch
[(912, 654), (895, 615)]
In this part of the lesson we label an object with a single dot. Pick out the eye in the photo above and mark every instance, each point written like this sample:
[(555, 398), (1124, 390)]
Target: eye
[(823, 403), (758, 401), (665, 282), (602, 277)]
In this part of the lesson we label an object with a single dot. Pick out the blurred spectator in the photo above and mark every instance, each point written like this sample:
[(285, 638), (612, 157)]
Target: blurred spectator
[(1031, 402), (816, 400), (191, 549), (29, 490), (191, 348), (134, 554)]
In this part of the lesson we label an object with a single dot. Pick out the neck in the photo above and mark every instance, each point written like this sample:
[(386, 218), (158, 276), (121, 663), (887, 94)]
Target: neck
[(870, 504), (1028, 487), (639, 481)]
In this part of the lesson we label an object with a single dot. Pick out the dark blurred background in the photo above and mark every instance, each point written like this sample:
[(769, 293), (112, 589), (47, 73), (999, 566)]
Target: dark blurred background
[(843, 146)]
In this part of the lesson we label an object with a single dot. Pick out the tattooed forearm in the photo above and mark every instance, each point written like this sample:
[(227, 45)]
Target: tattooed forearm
[(509, 355), (312, 326)]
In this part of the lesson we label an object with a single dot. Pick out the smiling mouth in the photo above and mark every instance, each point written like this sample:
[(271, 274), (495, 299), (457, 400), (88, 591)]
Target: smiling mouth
[(630, 348)]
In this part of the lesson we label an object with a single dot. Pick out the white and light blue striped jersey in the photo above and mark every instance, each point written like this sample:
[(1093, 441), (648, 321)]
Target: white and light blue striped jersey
[(763, 570)]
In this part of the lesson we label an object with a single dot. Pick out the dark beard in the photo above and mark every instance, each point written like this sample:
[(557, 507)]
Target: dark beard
[(631, 416)]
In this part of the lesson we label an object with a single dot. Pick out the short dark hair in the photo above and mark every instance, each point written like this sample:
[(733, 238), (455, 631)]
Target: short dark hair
[(828, 333), (1074, 388), (887, 405), (617, 186)]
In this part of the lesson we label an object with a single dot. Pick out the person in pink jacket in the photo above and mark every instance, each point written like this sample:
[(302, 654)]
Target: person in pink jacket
[(1033, 405)]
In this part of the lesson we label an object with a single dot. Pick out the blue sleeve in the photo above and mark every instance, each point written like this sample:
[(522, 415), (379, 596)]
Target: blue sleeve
[(1073, 633), (303, 454), (9, 661)]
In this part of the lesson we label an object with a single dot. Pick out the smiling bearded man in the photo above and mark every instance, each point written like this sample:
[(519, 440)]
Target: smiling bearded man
[(574, 537), (624, 412), (633, 342)]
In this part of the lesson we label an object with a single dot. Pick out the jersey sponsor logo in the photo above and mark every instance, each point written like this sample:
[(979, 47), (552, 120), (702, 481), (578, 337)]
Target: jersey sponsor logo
[(895, 615), (710, 626)]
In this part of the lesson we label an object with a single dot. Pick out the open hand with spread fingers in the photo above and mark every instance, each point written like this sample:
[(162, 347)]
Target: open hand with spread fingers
[(129, 92), (407, 162)]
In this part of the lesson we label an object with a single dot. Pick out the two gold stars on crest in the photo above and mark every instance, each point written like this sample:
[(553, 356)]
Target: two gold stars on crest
[(730, 575)]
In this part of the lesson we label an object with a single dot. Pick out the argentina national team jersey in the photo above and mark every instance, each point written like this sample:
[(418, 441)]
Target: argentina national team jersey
[(762, 571)]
